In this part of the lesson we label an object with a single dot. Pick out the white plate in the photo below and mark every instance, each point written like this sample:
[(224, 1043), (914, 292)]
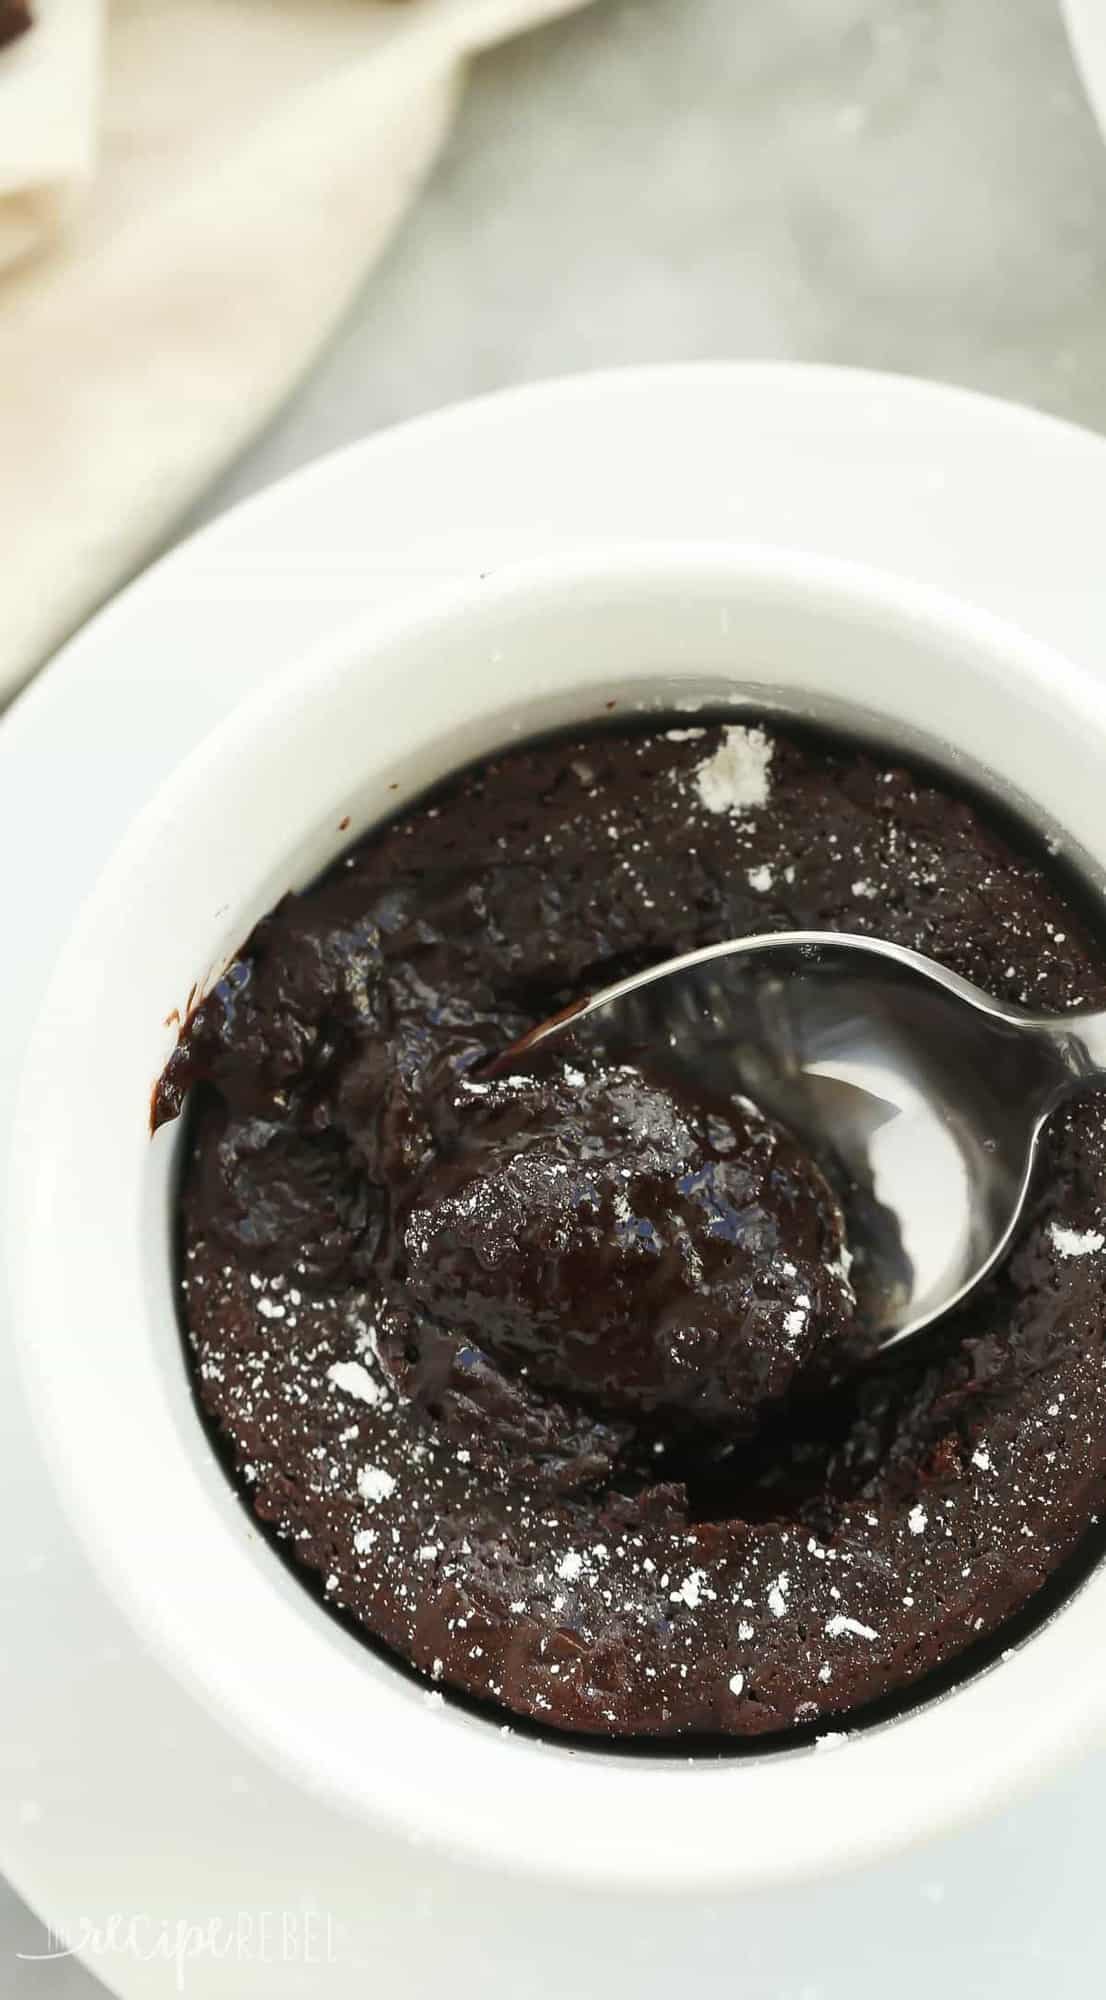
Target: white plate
[(120, 1794), (1086, 22)]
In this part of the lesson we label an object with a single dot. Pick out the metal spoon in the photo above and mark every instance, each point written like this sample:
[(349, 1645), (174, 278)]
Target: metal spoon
[(921, 1097)]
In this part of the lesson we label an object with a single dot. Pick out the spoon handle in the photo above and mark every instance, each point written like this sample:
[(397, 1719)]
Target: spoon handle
[(1079, 1040)]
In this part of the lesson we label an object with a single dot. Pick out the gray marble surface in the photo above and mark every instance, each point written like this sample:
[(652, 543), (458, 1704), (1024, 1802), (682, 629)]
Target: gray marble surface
[(907, 184)]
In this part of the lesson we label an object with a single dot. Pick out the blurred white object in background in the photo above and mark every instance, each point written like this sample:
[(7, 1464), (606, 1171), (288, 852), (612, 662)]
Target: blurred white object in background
[(179, 237), (1086, 23), (48, 98)]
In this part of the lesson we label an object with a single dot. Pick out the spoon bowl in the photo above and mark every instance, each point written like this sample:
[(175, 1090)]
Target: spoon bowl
[(921, 1098)]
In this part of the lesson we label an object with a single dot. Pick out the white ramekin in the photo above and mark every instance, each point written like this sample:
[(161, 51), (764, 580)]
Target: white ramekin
[(355, 730)]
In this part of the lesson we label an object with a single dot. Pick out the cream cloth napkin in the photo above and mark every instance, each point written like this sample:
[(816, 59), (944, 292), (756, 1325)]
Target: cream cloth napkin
[(190, 192)]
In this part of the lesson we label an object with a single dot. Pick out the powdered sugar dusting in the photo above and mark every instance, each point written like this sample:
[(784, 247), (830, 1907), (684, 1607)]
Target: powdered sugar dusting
[(777, 1596), (374, 1484), (692, 1590), (838, 1624), (355, 1380), (735, 779), (795, 1323), (1075, 1242)]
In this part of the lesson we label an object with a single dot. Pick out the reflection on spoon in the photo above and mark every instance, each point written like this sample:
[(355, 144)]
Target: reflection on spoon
[(920, 1097)]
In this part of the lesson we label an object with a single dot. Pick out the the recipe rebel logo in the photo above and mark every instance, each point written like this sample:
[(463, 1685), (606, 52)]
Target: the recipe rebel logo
[(303, 1937)]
